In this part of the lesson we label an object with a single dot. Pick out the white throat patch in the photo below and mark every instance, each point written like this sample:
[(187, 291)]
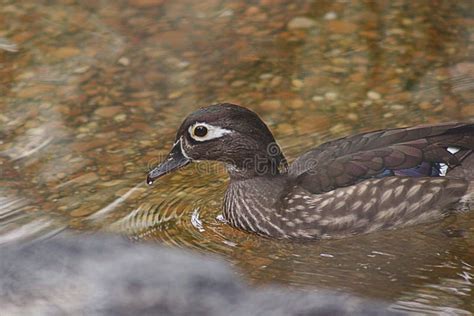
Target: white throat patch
[(181, 145), (213, 132)]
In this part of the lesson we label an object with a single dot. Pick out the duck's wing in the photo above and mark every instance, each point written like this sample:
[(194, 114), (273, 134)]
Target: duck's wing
[(415, 151)]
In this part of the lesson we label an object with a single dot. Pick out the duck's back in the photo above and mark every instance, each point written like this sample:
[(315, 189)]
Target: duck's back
[(424, 151), (380, 180)]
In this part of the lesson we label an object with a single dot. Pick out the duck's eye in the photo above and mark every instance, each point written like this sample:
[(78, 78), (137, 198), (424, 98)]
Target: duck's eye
[(200, 131)]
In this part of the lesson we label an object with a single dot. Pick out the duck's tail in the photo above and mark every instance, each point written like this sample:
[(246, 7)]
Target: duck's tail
[(465, 170), (459, 142)]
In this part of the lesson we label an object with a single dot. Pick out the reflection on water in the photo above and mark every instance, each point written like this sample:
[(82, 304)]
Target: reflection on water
[(91, 94), (17, 224)]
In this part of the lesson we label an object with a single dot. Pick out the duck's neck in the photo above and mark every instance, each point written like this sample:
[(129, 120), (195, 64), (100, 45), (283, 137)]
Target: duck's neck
[(251, 172), (265, 163), (252, 204)]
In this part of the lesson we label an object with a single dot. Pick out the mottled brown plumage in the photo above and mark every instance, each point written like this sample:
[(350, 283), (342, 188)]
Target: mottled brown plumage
[(353, 185)]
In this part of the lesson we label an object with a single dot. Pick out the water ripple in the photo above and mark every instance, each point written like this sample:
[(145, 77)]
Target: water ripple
[(17, 224)]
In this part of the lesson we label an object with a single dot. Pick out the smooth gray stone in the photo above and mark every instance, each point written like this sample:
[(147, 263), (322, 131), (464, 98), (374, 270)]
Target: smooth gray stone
[(108, 275)]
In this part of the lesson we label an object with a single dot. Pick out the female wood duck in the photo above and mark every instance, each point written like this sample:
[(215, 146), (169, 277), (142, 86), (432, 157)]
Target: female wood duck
[(353, 185)]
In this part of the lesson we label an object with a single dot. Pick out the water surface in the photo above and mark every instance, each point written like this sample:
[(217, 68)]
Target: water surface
[(92, 92)]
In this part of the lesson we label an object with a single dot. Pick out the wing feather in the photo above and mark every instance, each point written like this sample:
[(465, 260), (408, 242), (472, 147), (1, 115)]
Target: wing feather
[(351, 159)]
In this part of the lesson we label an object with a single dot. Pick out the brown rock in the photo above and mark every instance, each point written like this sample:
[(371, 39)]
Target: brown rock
[(145, 3), (86, 178), (137, 126), (34, 91), (338, 129), (301, 22), (83, 211), (65, 52), (238, 83), (90, 144), (357, 77), (175, 94), (276, 81), (143, 94), (115, 168), (172, 38), (22, 37), (449, 102), (252, 10), (352, 116), (285, 129), (141, 103), (270, 105), (425, 105), (468, 111), (296, 103), (108, 111), (339, 26), (81, 180), (311, 123), (245, 30)]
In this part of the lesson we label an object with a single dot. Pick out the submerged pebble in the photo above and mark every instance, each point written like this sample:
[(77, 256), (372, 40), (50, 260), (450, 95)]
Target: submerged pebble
[(301, 22), (94, 99)]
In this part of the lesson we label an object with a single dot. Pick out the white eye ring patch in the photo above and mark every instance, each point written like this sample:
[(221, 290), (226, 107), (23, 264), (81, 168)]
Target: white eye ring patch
[(213, 132)]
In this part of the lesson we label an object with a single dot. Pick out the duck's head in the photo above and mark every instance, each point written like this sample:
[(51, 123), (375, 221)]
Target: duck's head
[(228, 133)]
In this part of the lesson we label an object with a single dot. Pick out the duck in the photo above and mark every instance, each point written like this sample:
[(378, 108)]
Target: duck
[(378, 180)]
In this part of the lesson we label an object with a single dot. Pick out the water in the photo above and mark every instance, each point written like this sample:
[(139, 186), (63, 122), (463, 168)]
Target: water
[(91, 95)]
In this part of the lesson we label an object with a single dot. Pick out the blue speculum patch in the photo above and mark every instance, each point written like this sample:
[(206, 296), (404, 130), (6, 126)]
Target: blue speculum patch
[(425, 169)]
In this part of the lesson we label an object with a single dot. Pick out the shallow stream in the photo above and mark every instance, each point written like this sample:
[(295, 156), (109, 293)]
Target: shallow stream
[(92, 92)]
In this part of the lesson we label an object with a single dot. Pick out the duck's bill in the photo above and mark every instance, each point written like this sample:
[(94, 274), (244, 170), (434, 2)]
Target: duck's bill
[(175, 160)]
